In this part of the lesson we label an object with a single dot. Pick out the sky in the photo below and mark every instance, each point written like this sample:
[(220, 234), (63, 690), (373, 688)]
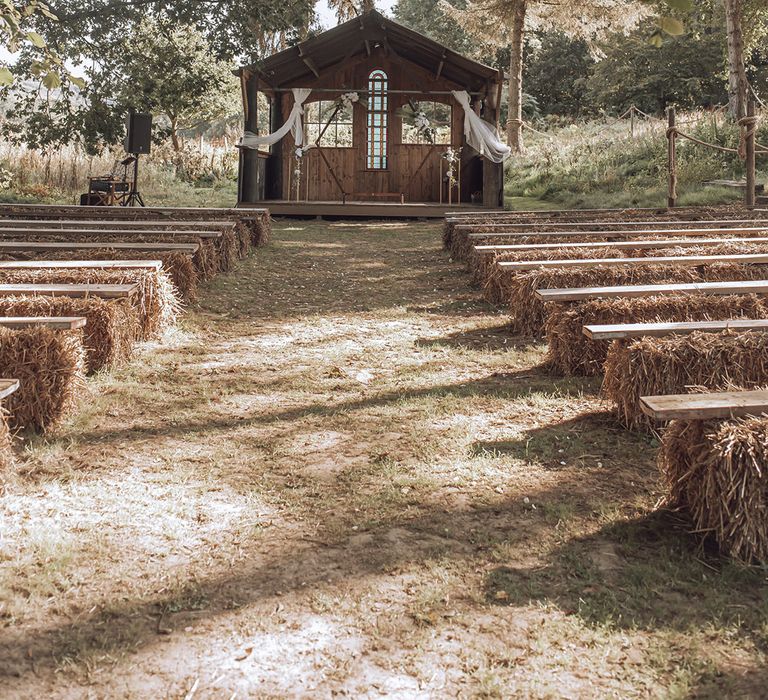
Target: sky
[(328, 19)]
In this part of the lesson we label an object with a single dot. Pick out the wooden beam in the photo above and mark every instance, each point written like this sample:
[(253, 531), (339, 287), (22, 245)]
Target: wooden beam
[(647, 290), (440, 65), (652, 226), (637, 244), (105, 291), (58, 322), (7, 387), (117, 224), (701, 231), (656, 330), (677, 260), (726, 404)]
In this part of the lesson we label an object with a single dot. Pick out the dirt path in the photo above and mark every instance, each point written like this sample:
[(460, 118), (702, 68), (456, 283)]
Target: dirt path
[(343, 477)]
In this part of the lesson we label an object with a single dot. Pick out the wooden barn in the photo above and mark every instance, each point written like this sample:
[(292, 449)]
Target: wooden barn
[(378, 109)]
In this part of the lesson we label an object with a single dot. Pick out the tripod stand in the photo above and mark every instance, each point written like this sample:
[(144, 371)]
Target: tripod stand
[(134, 198)]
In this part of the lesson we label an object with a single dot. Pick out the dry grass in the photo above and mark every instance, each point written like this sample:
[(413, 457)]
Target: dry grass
[(49, 365), (7, 459), (674, 364), (715, 472), (572, 353), (355, 482), (110, 331)]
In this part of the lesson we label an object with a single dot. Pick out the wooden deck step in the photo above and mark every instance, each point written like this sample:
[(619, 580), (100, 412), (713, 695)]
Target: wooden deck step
[(677, 260), (639, 330), (726, 404), (637, 244), (48, 246), (59, 322), (105, 291), (648, 290), (7, 387)]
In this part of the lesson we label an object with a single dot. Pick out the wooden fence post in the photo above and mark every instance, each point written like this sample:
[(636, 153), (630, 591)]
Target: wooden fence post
[(632, 120), (750, 127), (671, 158)]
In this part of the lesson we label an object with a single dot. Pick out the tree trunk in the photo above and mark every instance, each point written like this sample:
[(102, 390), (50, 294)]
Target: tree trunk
[(737, 75), (175, 135), (515, 100)]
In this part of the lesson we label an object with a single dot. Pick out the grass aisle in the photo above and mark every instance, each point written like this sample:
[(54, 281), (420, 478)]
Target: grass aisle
[(342, 476)]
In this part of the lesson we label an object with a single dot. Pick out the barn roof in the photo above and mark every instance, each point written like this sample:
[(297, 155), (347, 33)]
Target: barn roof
[(310, 58)]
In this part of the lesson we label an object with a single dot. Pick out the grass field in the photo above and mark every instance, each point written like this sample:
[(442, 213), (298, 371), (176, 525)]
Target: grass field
[(342, 476)]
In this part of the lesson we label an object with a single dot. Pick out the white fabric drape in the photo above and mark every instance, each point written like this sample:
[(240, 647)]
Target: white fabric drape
[(292, 124), (479, 133)]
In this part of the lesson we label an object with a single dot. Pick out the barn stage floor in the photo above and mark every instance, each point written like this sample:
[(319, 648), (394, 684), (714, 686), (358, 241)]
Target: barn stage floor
[(374, 210)]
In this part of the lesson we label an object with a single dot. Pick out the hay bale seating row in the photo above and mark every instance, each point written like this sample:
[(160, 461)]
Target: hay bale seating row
[(51, 362)]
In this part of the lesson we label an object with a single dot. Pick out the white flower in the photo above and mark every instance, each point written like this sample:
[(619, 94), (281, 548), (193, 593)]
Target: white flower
[(299, 152)]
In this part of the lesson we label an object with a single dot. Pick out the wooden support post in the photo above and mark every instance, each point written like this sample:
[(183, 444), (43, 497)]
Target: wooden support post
[(671, 158), (751, 128)]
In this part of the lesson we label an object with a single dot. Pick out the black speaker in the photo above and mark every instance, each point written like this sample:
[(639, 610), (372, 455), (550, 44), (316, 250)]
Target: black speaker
[(138, 133)]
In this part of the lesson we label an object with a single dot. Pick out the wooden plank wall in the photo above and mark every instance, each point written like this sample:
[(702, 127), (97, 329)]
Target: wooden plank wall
[(349, 164)]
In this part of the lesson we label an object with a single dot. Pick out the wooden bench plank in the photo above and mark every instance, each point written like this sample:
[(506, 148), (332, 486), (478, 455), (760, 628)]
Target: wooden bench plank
[(106, 291), (80, 264), (123, 233), (7, 387), (682, 232), (47, 246), (150, 224), (726, 404), (637, 244), (647, 290), (685, 260), (656, 330), (618, 225), (63, 322)]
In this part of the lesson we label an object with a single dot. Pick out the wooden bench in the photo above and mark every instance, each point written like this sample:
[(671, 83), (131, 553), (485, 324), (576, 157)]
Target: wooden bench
[(648, 290), (48, 246), (638, 244), (726, 404), (676, 260), (135, 213), (626, 331), (105, 291), (80, 264), (46, 231), (362, 196), (7, 387), (58, 322), (618, 225), (667, 233), (113, 223)]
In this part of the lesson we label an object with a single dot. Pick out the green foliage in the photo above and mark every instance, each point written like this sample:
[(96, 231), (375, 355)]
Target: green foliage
[(597, 164), (169, 70)]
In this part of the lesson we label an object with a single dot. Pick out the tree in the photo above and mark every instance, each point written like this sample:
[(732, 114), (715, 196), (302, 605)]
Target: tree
[(169, 70), (347, 9), (506, 22)]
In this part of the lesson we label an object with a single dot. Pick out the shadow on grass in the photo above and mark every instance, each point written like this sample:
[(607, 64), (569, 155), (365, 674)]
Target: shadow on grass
[(643, 573), (484, 338)]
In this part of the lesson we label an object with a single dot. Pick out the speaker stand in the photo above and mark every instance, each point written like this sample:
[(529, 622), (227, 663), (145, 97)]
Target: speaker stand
[(134, 198)]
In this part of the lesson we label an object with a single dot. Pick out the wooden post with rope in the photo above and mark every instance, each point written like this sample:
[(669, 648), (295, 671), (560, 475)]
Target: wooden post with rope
[(671, 158), (750, 128)]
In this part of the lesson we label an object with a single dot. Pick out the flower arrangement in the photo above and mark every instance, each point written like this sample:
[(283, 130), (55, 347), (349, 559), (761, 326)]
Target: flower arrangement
[(346, 100), (411, 113), (452, 157)]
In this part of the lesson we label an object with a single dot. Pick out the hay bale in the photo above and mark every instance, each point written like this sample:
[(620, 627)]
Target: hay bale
[(49, 365), (179, 266), (6, 448), (155, 303), (226, 250), (261, 230), (673, 364), (110, 330), (529, 313), (715, 471), (572, 353)]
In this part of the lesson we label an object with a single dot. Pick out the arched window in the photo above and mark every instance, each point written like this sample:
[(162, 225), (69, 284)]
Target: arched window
[(377, 120)]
